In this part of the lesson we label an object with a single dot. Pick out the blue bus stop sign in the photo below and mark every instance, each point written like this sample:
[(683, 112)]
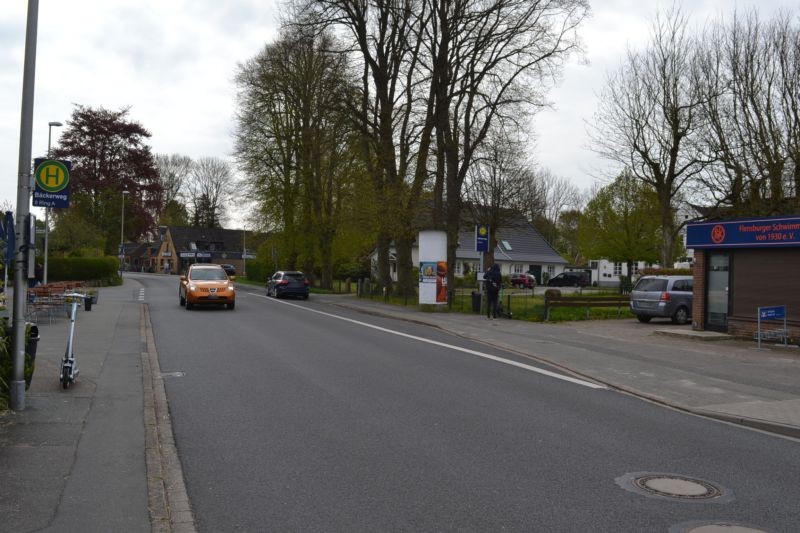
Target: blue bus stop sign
[(481, 238)]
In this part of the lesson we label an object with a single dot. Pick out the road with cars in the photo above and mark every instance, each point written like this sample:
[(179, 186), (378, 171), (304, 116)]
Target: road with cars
[(298, 415)]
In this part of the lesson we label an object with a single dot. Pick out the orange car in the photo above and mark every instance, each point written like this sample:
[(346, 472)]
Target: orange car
[(206, 284)]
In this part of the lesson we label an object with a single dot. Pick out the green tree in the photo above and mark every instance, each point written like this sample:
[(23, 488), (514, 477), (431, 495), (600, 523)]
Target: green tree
[(296, 143), (109, 155), (621, 223)]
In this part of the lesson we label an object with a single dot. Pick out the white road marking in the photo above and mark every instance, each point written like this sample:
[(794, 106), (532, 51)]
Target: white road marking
[(445, 345)]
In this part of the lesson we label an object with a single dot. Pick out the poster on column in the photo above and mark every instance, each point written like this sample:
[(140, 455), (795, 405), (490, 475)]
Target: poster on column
[(432, 267), (427, 282), (433, 282)]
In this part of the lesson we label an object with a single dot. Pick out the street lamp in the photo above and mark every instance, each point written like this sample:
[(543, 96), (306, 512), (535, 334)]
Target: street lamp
[(122, 235), (50, 125)]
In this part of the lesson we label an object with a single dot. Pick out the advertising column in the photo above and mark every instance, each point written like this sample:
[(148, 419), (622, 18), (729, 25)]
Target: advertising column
[(432, 267)]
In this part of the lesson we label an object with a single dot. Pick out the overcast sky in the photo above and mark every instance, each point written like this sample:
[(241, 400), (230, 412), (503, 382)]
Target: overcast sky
[(173, 61)]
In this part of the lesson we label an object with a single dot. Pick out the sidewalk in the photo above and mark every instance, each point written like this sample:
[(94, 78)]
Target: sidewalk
[(74, 460), (727, 379)]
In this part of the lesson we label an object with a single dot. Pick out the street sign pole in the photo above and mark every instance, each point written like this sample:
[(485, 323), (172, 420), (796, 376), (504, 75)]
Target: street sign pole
[(17, 385)]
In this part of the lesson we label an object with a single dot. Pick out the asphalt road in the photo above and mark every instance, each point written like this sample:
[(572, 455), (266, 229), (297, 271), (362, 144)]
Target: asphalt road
[(299, 416)]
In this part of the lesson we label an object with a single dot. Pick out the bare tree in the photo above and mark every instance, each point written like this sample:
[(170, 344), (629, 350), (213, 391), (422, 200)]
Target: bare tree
[(495, 183), (649, 118), (749, 73), (394, 117), (173, 170), (208, 189), (491, 61)]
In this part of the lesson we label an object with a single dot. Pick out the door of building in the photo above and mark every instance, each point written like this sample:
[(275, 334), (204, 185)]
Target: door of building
[(536, 270), (717, 293)]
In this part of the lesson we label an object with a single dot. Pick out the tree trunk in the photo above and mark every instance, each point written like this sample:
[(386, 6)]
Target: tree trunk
[(405, 280), (384, 271)]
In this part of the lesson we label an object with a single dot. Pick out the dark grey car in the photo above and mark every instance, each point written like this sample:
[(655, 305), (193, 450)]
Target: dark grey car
[(663, 296), (288, 283)]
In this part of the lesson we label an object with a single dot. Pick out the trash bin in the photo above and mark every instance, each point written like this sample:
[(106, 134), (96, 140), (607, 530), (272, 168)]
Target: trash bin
[(476, 302), (87, 304)]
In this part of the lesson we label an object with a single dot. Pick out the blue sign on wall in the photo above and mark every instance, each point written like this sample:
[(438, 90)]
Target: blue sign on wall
[(745, 233), (772, 313)]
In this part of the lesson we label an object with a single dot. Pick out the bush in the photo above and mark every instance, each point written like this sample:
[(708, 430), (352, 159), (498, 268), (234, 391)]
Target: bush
[(552, 293), (257, 270), (469, 280), (104, 270), (7, 361), (353, 270)]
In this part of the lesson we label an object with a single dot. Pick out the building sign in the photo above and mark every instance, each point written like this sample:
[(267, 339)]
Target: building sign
[(51, 187), (187, 255), (772, 313), (745, 233), (204, 255)]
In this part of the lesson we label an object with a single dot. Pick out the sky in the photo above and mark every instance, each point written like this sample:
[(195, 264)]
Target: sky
[(173, 63)]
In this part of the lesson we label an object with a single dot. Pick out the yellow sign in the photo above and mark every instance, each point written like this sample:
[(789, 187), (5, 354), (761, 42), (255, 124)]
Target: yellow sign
[(52, 176)]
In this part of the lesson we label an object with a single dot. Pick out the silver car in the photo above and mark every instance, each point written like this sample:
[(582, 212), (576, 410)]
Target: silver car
[(663, 296)]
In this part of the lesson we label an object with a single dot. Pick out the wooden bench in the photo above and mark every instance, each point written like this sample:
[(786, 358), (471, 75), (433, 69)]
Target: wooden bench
[(585, 301)]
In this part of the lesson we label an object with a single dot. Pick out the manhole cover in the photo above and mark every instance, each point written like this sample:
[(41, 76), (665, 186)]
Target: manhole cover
[(706, 526), (675, 487)]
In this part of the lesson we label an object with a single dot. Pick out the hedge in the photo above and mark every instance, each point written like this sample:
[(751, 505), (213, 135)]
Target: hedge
[(104, 270)]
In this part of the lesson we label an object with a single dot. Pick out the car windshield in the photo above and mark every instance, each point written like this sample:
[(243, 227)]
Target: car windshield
[(208, 274), (294, 275), (651, 285)]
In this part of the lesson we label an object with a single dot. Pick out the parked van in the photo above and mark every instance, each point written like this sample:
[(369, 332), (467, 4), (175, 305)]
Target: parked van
[(663, 296)]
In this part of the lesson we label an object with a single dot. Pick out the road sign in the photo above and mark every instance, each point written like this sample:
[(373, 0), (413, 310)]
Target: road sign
[(772, 313), (51, 183)]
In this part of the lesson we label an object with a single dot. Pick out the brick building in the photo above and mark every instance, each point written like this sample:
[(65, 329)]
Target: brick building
[(742, 265)]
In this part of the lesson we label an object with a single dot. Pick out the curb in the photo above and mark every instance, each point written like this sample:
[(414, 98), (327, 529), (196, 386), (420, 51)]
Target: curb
[(168, 502)]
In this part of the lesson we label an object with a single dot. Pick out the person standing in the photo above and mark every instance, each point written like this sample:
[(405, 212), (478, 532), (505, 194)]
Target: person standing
[(493, 280)]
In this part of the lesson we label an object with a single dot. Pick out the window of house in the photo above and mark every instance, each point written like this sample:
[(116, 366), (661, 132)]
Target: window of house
[(459, 268), (506, 245), (551, 269), (617, 269), (518, 269), (593, 265)]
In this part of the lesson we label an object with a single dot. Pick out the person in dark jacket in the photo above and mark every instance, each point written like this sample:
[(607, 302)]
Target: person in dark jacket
[(493, 280)]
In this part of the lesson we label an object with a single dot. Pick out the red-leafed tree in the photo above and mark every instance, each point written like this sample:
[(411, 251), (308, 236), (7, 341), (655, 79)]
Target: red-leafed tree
[(109, 155)]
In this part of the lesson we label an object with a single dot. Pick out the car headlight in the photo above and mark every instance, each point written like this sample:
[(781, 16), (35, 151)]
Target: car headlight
[(192, 287)]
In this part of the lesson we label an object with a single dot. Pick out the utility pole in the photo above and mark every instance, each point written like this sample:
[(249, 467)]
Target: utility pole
[(244, 253), (17, 385)]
